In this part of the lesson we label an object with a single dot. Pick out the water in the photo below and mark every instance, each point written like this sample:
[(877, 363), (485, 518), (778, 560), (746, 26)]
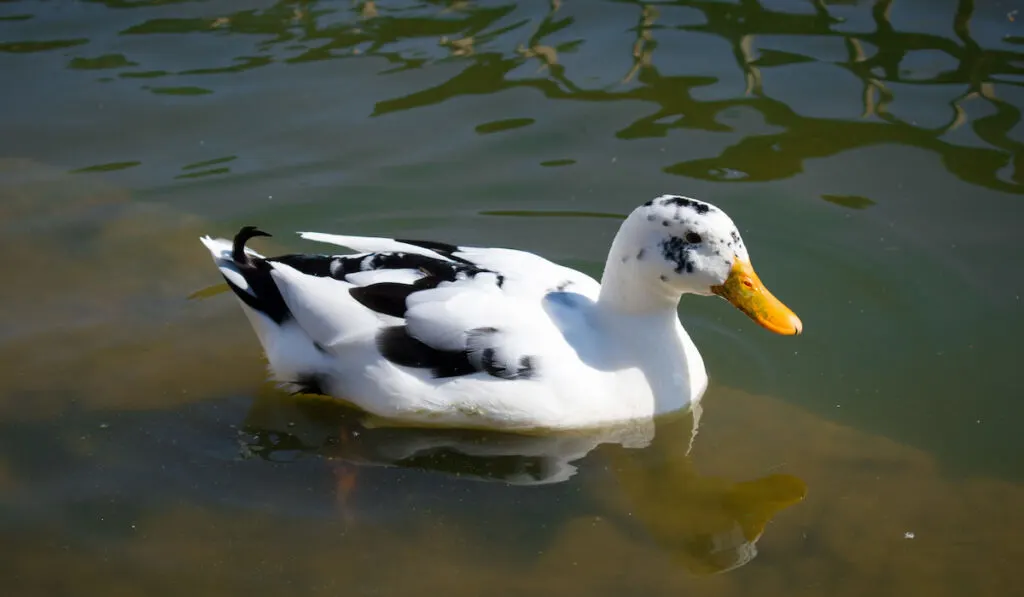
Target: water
[(870, 152)]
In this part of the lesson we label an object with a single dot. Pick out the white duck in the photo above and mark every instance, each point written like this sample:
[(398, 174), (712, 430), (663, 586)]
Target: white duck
[(423, 332)]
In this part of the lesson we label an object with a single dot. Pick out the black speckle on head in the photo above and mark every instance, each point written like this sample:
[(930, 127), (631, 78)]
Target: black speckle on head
[(640, 255), (701, 207), (693, 238), (665, 223), (677, 250), (651, 217), (735, 236), (649, 203)]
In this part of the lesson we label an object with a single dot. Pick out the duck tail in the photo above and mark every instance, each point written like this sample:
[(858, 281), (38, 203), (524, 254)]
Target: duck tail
[(238, 254), (248, 273)]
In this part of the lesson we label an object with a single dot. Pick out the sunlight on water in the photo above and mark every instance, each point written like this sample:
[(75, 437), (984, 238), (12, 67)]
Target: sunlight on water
[(870, 152)]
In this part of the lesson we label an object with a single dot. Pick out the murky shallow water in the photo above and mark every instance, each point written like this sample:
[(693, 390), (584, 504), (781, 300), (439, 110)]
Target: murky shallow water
[(869, 152)]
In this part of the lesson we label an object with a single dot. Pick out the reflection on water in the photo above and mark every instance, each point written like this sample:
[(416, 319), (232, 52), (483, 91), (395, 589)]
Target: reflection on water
[(708, 524), (286, 426), (882, 85), (141, 454)]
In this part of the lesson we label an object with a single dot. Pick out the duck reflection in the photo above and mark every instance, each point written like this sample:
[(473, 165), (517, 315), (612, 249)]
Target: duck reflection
[(343, 433), (707, 524), (649, 485)]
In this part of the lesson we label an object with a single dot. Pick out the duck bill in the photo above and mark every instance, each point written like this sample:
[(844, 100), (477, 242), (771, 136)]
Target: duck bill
[(746, 292)]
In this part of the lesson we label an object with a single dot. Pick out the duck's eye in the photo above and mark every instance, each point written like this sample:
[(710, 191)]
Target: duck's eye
[(693, 238)]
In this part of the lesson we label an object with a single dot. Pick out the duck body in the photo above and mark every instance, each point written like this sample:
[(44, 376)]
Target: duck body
[(428, 333)]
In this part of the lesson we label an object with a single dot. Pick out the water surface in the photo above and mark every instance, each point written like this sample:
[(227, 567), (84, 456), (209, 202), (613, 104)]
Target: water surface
[(869, 151)]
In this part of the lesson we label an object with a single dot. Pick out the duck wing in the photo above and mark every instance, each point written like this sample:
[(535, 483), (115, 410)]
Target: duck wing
[(520, 273), (438, 310), (460, 310)]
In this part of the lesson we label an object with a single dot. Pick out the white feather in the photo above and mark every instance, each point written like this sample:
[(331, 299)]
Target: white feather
[(369, 244), (323, 307), (401, 276)]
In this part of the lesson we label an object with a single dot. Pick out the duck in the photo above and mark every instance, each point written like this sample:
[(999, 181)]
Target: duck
[(426, 333)]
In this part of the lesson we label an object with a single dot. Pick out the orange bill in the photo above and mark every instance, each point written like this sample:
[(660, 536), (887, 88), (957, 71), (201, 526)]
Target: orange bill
[(746, 292)]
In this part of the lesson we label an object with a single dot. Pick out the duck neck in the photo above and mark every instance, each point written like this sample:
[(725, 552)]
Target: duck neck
[(625, 289)]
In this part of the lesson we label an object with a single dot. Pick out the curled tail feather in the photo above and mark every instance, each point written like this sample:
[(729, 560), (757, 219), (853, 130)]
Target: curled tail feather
[(238, 253)]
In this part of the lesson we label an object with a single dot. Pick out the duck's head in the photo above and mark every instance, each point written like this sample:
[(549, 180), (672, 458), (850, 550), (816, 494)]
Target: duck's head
[(675, 245)]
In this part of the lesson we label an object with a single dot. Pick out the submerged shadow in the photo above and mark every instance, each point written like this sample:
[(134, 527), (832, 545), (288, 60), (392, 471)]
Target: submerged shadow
[(650, 485)]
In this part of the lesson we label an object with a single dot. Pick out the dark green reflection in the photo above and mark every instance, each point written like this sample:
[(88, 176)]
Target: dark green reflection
[(408, 38), (107, 167), (850, 201), (26, 47), (503, 125), (212, 162), (185, 90), (101, 62), (149, 74), (204, 173)]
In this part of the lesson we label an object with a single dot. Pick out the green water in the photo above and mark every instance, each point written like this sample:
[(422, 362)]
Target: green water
[(871, 153)]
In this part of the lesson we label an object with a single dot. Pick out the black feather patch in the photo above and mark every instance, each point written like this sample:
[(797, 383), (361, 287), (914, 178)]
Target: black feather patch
[(265, 297), (340, 267), (492, 366), (311, 265), (384, 297), (443, 248), (525, 369), (396, 345)]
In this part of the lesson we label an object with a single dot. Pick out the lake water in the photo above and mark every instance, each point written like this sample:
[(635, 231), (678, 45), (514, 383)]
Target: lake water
[(871, 153)]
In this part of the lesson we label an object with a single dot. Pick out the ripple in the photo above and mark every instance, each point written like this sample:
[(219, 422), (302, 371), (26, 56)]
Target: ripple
[(849, 201), (109, 167), (213, 162), (147, 74), (27, 47), (508, 124), (101, 62), (184, 90), (203, 173)]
